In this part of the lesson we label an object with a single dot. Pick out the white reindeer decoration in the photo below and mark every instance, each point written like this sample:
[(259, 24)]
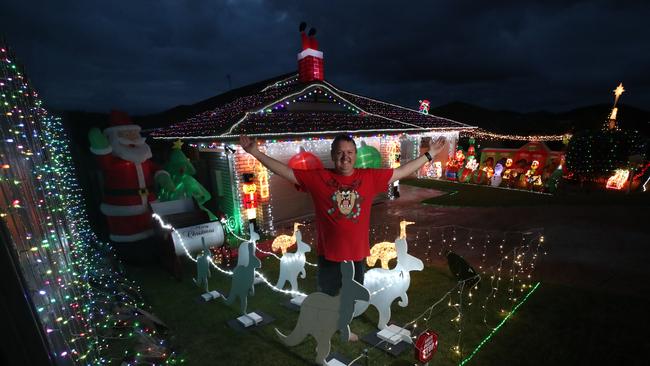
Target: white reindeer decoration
[(386, 285), (293, 264)]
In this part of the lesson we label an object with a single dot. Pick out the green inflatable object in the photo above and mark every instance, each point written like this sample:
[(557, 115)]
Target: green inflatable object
[(98, 140), (367, 157), (183, 185)]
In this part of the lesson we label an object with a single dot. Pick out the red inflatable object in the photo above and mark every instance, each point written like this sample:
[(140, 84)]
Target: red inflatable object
[(305, 161)]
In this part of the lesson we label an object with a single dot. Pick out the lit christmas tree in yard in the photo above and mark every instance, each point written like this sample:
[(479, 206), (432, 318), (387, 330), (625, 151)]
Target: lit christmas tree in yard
[(87, 312), (596, 154)]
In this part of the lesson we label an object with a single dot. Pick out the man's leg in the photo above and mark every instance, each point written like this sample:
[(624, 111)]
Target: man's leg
[(328, 276), (359, 270)]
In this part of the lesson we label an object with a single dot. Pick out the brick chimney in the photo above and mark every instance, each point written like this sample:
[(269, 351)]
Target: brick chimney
[(310, 59)]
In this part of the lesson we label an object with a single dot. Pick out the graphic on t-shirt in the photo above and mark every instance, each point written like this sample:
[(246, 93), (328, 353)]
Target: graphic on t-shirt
[(345, 199)]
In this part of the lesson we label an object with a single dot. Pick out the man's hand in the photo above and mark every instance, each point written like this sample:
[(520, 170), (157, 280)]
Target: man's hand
[(436, 146), (412, 166), (249, 145)]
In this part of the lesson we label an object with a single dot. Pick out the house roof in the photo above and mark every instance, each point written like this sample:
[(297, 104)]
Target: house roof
[(288, 108)]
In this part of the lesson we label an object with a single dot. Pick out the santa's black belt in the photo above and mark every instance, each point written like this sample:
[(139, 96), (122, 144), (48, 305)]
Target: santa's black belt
[(127, 192)]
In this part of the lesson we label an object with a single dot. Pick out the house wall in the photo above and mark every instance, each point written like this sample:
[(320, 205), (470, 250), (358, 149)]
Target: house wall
[(288, 204), (222, 186), (284, 203), (411, 150)]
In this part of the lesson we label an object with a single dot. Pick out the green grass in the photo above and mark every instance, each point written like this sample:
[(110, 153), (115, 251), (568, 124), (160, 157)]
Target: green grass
[(556, 325), (203, 337), (463, 194)]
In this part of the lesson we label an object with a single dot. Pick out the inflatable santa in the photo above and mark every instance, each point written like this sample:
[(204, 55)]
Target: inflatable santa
[(129, 176)]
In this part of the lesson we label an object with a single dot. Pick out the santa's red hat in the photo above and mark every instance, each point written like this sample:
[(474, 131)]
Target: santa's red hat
[(120, 121)]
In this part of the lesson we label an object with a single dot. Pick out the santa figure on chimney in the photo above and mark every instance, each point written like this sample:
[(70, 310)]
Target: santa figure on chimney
[(129, 176), (310, 59)]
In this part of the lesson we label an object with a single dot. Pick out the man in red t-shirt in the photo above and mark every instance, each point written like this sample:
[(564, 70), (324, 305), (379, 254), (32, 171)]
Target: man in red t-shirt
[(342, 198)]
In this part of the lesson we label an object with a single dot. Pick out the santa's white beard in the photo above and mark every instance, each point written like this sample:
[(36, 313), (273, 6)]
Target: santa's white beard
[(135, 153)]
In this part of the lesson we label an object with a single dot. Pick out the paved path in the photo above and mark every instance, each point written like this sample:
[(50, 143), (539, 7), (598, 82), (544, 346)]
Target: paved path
[(596, 247), (592, 247)]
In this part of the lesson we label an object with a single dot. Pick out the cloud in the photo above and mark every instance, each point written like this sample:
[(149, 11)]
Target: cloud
[(146, 56)]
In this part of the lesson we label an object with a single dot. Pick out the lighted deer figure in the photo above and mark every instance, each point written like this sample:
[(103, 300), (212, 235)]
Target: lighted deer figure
[(282, 242), (385, 251), (386, 285), (293, 264), (321, 315)]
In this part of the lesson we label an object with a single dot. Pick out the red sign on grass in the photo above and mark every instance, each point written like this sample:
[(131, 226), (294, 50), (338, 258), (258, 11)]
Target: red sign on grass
[(426, 346)]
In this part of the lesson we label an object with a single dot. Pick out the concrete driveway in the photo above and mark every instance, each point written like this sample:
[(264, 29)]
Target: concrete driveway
[(592, 247)]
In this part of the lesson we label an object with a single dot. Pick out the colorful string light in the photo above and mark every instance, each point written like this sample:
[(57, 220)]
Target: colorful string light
[(89, 313)]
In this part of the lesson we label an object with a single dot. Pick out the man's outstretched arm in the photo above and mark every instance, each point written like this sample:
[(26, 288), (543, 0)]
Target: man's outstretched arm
[(412, 166), (250, 146)]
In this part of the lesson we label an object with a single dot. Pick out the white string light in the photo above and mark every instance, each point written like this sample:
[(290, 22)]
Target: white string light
[(516, 255), (486, 134), (167, 226), (427, 313), (287, 292), (258, 274)]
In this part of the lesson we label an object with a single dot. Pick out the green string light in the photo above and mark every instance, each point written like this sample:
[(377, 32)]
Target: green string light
[(69, 272), (496, 329)]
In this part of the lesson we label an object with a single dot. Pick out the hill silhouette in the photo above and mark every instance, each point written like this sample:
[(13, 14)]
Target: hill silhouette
[(542, 122)]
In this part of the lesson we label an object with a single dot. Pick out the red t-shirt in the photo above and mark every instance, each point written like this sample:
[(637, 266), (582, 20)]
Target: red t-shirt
[(342, 206)]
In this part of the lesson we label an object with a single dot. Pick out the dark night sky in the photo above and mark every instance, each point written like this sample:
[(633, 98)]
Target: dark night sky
[(147, 56)]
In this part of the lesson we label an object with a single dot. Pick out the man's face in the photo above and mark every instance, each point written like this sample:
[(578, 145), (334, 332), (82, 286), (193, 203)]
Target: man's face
[(344, 156)]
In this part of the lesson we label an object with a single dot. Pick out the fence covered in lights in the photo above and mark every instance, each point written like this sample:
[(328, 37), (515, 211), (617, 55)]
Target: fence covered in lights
[(87, 312)]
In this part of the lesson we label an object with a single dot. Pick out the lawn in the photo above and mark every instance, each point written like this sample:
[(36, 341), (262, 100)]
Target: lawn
[(557, 325), (464, 194)]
